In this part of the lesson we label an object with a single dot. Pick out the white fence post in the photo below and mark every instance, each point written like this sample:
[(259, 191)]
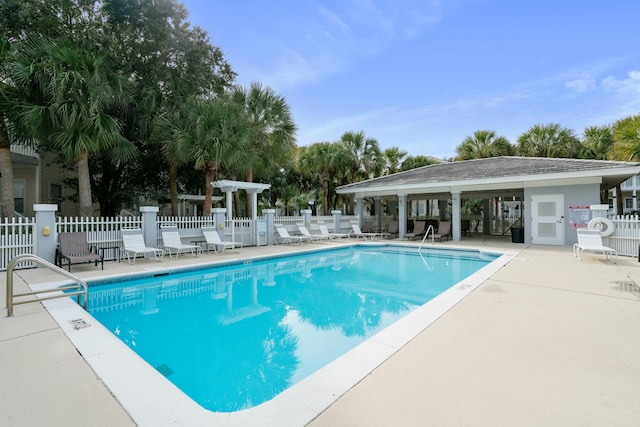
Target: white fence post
[(149, 226), (270, 215), (45, 236)]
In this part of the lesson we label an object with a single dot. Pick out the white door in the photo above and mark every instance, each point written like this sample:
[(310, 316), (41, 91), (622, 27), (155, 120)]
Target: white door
[(547, 219)]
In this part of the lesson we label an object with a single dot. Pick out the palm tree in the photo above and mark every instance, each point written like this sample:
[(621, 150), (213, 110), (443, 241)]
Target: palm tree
[(413, 162), (73, 91), (393, 158), (626, 146), (322, 160), (272, 128), (549, 140), (216, 136), (366, 159), (483, 144), (596, 143), (626, 136)]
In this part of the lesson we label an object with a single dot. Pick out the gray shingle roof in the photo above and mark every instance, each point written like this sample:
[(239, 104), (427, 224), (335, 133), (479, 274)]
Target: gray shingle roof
[(495, 167)]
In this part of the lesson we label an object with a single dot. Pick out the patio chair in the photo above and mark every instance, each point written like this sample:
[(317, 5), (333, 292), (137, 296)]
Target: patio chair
[(213, 240), (74, 249), (305, 232), (171, 242), (591, 240), (325, 232), (285, 237), (444, 230), (418, 230), (133, 245), (358, 233), (367, 227), (393, 229)]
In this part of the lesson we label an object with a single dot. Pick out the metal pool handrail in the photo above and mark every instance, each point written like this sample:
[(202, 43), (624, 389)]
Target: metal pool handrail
[(81, 287), (427, 235)]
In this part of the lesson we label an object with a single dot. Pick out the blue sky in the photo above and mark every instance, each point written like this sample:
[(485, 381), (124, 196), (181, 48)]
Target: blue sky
[(424, 74)]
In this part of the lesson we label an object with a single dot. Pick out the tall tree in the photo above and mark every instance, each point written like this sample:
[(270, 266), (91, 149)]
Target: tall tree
[(597, 143), (169, 61), (393, 159), (322, 161), (216, 136), (626, 146), (413, 162), (366, 158), (272, 128), (551, 140), (74, 91), (483, 144), (626, 137)]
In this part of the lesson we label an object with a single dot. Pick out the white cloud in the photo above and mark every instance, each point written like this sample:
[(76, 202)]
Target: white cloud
[(626, 92), (331, 40), (581, 85)]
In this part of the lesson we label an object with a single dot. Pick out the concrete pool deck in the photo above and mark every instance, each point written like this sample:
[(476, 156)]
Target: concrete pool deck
[(546, 340)]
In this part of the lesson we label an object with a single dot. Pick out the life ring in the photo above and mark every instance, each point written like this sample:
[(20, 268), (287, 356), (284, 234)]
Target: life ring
[(603, 225)]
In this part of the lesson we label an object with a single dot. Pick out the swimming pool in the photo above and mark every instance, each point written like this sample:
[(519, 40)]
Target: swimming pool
[(235, 336), (152, 400)]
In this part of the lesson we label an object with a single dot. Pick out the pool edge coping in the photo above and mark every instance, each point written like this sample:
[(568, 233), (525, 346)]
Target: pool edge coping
[(114, 363)]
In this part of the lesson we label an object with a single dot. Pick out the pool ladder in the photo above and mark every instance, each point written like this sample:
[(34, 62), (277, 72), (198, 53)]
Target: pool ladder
[(81, 287), (427, 235)]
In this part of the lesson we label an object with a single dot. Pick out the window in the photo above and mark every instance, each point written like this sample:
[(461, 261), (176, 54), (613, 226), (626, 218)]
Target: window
[(20, 195), (55, 195), (628, 202)]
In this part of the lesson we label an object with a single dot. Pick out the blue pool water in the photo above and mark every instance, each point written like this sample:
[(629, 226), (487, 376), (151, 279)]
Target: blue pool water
[(234, 336)]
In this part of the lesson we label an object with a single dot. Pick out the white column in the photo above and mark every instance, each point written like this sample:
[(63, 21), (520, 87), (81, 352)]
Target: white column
[(455, 217), (229, 204), (402, 215)]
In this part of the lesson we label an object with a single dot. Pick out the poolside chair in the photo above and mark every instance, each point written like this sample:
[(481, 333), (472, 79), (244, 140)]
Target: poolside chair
[(418, 230), (171, 242), (393, 229), (591, 240), (325, 232), (285, 237), (133, 245), (305, 232), (367, 227), (444, 230), (358, 233), (213, 240), (74, 249)]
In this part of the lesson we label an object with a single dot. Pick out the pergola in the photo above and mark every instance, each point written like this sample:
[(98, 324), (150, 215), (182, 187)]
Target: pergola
[(228, 187)]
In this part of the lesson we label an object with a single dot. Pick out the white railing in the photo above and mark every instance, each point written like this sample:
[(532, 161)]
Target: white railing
[(25, 150), (626, 236), (16, 238)]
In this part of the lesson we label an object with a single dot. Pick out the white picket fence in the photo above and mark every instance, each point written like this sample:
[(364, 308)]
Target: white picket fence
[(626, 236), (236, 229), (16, 238)]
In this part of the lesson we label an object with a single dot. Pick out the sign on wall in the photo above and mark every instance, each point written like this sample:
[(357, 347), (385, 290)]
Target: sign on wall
[(579, 216)]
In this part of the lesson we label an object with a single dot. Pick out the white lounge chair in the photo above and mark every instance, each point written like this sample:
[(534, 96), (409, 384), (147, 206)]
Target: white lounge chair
[(133, 245), (357, 232), (213, 240), (305, 232), (171, 242), (325, 232), (591, 240), (285, 237)]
